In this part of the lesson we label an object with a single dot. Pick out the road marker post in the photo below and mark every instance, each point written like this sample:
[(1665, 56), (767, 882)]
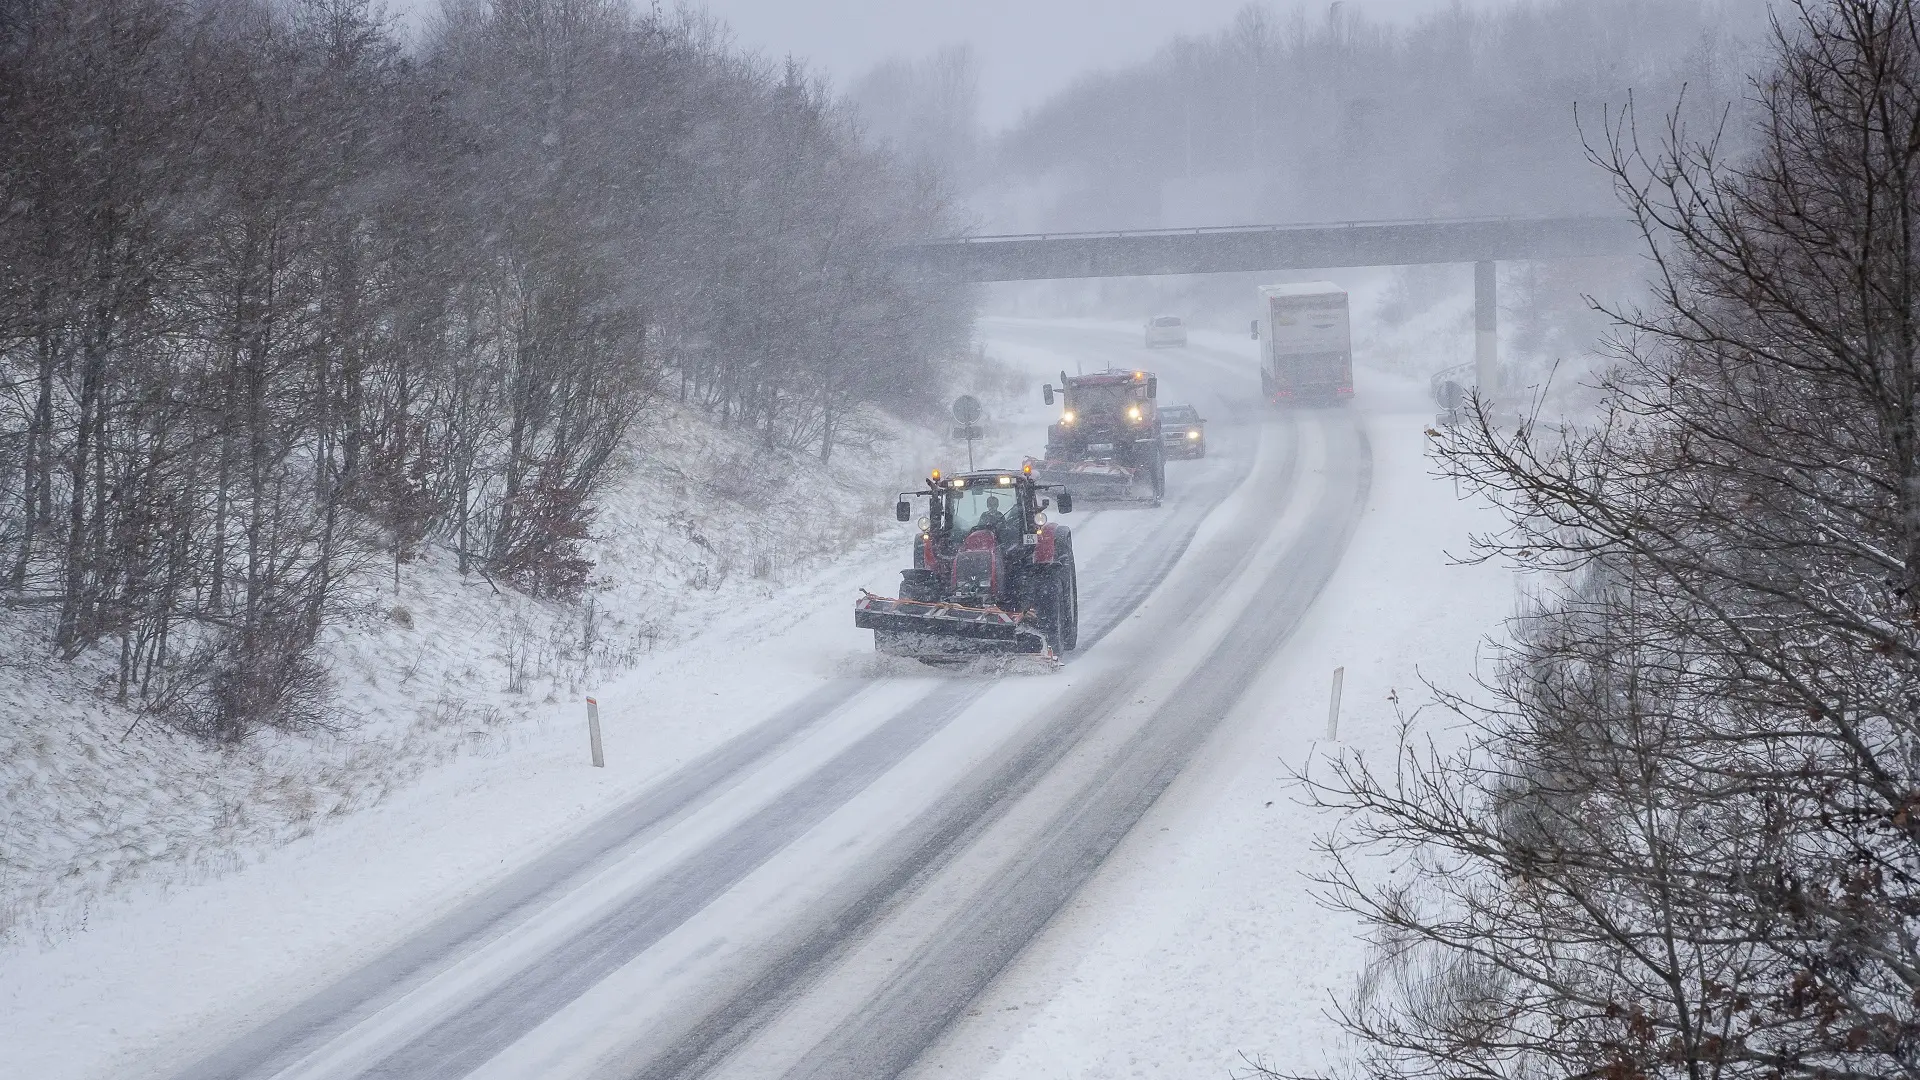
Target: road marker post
[(1333, 707), (593, 733)]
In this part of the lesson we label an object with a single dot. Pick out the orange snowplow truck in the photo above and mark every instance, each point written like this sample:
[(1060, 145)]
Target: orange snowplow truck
[(1106, 444)]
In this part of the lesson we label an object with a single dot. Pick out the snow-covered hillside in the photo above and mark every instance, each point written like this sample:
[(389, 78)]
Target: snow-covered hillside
[(704, 527)]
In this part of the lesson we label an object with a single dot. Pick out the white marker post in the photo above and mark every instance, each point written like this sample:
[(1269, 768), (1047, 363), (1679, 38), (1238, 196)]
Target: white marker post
[(593, 733), (1333, 708)]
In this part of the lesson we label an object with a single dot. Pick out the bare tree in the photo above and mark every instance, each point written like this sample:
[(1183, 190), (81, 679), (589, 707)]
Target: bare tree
[(281, 298), (1682, 840)]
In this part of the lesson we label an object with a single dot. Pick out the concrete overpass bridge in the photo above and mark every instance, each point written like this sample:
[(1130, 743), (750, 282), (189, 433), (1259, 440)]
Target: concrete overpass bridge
[(1484, 242)]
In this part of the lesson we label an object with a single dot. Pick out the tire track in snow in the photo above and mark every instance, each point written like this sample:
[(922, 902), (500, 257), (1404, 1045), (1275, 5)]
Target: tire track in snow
[(339, 1007), (463, 1042)]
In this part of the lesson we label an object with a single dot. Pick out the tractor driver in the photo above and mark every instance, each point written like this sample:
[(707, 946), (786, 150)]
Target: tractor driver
[(993, 518)]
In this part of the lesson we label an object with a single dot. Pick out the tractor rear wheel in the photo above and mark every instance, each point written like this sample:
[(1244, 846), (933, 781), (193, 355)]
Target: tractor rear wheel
[(1054, 601), (1071, 637)]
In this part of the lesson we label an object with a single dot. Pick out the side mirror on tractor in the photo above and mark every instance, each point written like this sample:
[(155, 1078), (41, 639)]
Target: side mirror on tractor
[(1046, 392), (1256, 329), (1153, 387), (1065, 502), (903, 510)]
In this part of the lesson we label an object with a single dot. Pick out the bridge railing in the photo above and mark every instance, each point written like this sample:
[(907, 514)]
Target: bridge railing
[(1212, 230), (1239, 248)]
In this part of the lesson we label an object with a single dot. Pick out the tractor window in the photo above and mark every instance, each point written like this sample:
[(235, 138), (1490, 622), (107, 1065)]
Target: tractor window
[(967, 507)]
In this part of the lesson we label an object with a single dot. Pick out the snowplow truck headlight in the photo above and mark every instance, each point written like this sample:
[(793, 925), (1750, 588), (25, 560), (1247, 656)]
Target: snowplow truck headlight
[(1067, 417), (1133, 413)]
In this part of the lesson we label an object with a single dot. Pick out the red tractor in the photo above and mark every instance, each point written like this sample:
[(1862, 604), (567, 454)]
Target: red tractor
[(990, 574)]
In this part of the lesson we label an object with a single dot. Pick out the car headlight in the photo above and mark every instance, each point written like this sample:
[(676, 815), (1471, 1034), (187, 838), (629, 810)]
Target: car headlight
[(1193, 434)]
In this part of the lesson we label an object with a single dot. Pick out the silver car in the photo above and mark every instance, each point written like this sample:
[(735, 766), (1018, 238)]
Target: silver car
[(1183, 432)]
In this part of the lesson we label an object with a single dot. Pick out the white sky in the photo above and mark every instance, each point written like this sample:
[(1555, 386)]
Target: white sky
[(1028, 49)]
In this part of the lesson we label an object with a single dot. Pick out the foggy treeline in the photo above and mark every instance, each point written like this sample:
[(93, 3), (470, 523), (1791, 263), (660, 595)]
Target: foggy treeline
[(926, 110), (1683, 839), (281, 299), (1319, 114)]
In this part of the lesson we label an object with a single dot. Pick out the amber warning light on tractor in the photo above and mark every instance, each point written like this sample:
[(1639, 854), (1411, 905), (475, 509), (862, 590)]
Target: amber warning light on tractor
[(936, 476)]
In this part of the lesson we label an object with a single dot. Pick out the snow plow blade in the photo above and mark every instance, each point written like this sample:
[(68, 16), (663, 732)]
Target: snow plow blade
[(932, 628), (1099, 481)]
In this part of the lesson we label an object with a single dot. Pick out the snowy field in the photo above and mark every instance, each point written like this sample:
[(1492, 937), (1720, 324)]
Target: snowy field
[(1194, 944)]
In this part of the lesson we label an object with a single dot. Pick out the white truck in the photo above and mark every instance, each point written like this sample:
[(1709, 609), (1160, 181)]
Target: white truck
[(1306, 353)]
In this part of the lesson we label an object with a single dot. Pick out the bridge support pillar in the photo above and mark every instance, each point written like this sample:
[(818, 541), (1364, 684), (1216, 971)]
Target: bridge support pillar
[(1486, 329)]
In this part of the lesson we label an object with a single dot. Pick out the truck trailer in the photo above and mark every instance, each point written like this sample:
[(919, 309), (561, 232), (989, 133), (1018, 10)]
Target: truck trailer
[(1306, 353)]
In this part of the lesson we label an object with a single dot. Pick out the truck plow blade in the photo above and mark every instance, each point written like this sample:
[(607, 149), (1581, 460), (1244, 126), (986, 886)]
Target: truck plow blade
[(1101, 481), (937, 629)]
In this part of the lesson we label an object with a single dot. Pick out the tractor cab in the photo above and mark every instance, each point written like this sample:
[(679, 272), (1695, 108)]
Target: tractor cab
[(997, 513), (1006, 504)]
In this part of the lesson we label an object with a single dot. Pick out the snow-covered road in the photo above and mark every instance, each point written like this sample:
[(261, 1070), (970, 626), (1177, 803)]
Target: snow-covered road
[(822, 895), (825, 892)]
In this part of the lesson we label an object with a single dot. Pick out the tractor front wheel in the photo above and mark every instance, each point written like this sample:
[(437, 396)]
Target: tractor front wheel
[(919, 585)]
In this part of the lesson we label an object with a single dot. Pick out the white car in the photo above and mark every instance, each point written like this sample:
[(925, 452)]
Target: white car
[(1166, 330)]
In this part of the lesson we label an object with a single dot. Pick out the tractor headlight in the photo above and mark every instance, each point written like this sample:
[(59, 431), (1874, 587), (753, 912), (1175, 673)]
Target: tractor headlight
[(1066, 418), (1193, 434), (1133, 413)]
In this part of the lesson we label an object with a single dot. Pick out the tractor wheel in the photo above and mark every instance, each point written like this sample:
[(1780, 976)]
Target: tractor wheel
[(915, 586), (1055, 603), (1070, 639)]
